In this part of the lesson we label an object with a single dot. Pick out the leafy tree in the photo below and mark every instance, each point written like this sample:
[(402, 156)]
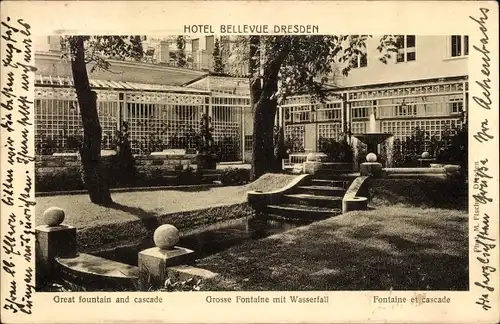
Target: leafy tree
[(95, 50), (283, 65), (217, 56), (181, 55)]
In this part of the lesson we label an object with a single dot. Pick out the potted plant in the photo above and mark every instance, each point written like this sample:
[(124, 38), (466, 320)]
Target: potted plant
[(205, 157)]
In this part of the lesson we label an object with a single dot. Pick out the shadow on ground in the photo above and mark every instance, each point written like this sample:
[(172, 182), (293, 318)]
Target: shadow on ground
[(148, 219), (388, 248)]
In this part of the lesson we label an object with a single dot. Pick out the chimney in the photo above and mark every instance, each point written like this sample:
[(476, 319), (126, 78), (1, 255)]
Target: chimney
[(163, 52), (54, 43)]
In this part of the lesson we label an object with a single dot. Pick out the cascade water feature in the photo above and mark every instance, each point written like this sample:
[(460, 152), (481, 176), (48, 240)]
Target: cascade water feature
[(372, 138), (372, 126)]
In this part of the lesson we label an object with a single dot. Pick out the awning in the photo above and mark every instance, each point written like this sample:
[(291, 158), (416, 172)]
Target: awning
[(62, 82)]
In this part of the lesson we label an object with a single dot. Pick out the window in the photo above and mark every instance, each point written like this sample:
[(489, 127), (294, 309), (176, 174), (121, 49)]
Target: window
[(329, 111), (406, 46), (459, 45), (405, 109), (298, 114), (359, 61), (361, 109), (456, 105), (248, 142)]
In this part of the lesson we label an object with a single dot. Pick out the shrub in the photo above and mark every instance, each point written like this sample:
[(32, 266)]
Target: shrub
[(189, 176), (232, 176), (122, 168), (337, 151), (227, 149), (59, 179)]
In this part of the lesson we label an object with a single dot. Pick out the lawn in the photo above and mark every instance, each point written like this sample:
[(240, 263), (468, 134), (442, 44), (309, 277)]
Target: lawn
[(134, 216), (134, 205), (396, 247)]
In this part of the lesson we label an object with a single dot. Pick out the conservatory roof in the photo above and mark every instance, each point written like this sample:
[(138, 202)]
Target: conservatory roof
[(63, 82)]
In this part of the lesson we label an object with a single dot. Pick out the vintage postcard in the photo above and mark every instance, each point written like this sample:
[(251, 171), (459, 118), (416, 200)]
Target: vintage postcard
[(257, 161)]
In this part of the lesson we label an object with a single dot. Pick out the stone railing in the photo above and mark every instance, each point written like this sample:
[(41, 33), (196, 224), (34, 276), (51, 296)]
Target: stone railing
[(259, 200)]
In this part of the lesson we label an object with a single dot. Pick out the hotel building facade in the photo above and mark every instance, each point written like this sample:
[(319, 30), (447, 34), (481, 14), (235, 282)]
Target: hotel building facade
[(425, 85)]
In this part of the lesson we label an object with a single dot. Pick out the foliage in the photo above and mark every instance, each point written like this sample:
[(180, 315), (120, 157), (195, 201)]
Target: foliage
[(123, 169), (59, 179), (74, 142), (305, 62), (337, 151), (217, 56), (82, 50), (293, 144), (99, 49), (279, 143), (203, 139), (450, 148), (233, 176), (146, 282), (453, 147), (227, 149), (181, 55), (189, 284), (189, 176), (283, 65), (46, 146)]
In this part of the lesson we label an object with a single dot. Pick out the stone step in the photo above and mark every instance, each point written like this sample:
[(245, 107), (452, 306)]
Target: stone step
[(331, 183), (321, 190), (302, 212), (328, 175), (94, 272), (211, 172), (314, 200)]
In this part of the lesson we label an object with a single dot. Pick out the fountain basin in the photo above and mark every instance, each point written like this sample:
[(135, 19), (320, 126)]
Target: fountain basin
[(372, 140)]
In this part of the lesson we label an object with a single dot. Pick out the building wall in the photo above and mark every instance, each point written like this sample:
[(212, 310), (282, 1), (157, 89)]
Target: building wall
[(433, 60)]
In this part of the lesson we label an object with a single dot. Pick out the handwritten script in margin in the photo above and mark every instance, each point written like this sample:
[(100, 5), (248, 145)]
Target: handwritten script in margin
[(17, 198)]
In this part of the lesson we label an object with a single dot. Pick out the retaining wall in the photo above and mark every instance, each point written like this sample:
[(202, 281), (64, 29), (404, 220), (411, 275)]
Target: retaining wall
[(63, 172)]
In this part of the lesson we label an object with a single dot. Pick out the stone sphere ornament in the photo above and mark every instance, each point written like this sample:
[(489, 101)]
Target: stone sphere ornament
[(166, 236), (425, 155), (53, 216), (371, 157)]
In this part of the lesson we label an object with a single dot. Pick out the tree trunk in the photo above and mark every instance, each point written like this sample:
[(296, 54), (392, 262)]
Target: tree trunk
[(90, 151), (263, 99), (263, 159)]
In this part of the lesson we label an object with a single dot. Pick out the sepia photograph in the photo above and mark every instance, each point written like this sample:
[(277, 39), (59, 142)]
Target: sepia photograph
[(249, 161), (314, 162)]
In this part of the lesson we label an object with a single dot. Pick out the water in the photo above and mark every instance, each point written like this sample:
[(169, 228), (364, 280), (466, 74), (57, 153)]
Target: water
[(211, 239), (372, 126)]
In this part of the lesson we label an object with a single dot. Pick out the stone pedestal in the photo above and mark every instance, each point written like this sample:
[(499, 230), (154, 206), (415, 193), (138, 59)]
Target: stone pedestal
[(154, 261), (52, 242), (312, 167), (373, 169), (354, 203)]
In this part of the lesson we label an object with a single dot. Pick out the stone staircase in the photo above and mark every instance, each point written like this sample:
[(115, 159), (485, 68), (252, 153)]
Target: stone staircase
[(317, 198)]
